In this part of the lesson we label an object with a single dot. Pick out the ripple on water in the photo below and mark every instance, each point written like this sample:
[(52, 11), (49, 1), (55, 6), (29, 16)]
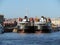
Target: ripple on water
[(30, 39)]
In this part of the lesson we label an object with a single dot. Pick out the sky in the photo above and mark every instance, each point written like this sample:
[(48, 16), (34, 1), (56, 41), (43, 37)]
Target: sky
[(19, 8)]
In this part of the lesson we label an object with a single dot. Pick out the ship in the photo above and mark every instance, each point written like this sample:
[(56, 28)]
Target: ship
[(28, 25)]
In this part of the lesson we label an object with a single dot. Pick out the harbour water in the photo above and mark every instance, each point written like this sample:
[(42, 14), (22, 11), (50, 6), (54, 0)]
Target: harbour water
[(30, 39)]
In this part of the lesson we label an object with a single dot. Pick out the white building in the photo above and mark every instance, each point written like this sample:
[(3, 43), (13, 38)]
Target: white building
[(56, 21)]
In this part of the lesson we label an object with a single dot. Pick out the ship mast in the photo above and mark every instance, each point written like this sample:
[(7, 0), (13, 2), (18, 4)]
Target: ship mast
[(27, 12)]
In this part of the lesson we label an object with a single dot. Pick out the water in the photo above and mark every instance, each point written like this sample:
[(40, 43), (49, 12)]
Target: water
[(30, 39)]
